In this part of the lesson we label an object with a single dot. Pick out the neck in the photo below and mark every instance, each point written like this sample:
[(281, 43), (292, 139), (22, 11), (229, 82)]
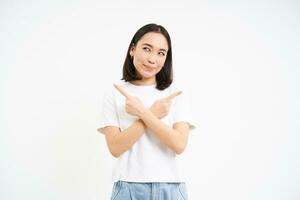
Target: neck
[(144, 82)]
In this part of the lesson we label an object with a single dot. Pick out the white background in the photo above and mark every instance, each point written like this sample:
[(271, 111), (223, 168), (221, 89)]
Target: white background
[(240, 59)]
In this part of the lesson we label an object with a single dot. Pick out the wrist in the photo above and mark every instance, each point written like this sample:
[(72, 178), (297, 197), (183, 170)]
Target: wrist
[(140, 121), (146, 112)]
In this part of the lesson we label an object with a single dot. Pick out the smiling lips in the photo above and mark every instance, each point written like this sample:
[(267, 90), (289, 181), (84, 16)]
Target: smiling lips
[(148, 68)]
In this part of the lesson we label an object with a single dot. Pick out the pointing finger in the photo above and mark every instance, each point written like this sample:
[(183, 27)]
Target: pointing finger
[(172, 96), (122, 91)]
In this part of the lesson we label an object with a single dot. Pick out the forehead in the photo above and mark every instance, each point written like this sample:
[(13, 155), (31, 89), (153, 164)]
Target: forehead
[(157, 40)]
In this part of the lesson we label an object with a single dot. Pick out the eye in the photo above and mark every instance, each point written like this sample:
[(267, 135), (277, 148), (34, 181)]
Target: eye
[(146, 49), (162, 53)]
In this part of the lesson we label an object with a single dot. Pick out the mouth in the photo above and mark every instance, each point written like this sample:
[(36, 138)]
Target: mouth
[(148, 68)]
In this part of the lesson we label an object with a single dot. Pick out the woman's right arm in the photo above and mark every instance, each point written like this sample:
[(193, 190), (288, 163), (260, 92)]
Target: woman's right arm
[(118, 142)]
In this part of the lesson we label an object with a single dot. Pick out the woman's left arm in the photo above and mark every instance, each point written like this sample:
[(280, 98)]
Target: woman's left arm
[(175, 138)]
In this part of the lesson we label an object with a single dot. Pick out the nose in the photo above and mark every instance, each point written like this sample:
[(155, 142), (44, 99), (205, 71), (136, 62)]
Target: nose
[(151, 58)]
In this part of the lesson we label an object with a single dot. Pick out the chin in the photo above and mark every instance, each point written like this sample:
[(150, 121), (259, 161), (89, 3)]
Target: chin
[(148, 75), (145, 74)]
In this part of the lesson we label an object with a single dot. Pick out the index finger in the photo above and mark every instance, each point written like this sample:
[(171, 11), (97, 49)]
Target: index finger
[(122, 91), (172, 96)]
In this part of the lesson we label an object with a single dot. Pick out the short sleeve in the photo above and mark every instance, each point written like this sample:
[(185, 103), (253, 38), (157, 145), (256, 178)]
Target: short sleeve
[(183, 111), (108, 113)]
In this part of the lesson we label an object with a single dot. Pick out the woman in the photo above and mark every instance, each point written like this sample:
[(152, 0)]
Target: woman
[(146, 121)]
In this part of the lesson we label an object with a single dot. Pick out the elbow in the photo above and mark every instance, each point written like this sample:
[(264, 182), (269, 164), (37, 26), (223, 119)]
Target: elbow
[(114, 154), (178, 146), (179, 149), (114, 151)]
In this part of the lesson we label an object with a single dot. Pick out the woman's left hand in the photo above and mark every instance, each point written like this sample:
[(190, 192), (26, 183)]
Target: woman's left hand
[(133, 105)]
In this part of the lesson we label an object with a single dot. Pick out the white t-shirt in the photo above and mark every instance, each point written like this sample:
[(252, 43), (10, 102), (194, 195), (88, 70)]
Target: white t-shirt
[(148, 160)]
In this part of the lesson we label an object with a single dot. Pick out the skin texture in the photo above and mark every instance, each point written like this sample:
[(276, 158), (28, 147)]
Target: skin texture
[(149, 55)]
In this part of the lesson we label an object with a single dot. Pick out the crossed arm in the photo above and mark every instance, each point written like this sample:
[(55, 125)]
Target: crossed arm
[(175, 137)]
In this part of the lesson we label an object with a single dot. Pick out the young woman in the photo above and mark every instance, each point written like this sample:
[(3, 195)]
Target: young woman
[(146, 121)]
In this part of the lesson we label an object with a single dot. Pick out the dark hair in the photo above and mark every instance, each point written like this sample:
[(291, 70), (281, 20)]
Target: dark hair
[(164, 77)]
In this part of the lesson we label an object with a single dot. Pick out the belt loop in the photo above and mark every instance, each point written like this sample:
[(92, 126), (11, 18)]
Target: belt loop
[(152, 191)]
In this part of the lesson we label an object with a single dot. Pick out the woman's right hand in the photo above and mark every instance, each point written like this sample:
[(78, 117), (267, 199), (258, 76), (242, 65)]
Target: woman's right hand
[(161, 107)]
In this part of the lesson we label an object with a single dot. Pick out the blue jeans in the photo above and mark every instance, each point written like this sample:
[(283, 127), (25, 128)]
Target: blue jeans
[(148, 191)]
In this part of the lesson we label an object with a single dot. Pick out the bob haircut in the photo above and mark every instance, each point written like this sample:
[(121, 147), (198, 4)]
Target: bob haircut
[(164, 77)]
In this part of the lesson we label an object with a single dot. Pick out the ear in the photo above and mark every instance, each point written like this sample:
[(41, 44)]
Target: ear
[(132, 49)]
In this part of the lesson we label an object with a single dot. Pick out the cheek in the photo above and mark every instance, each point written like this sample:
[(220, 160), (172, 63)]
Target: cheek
[(160, 66), (161, 62), (142, 55), (137, 59)]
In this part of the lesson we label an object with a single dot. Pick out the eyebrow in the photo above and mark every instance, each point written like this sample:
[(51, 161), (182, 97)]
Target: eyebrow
[(152, 47)]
